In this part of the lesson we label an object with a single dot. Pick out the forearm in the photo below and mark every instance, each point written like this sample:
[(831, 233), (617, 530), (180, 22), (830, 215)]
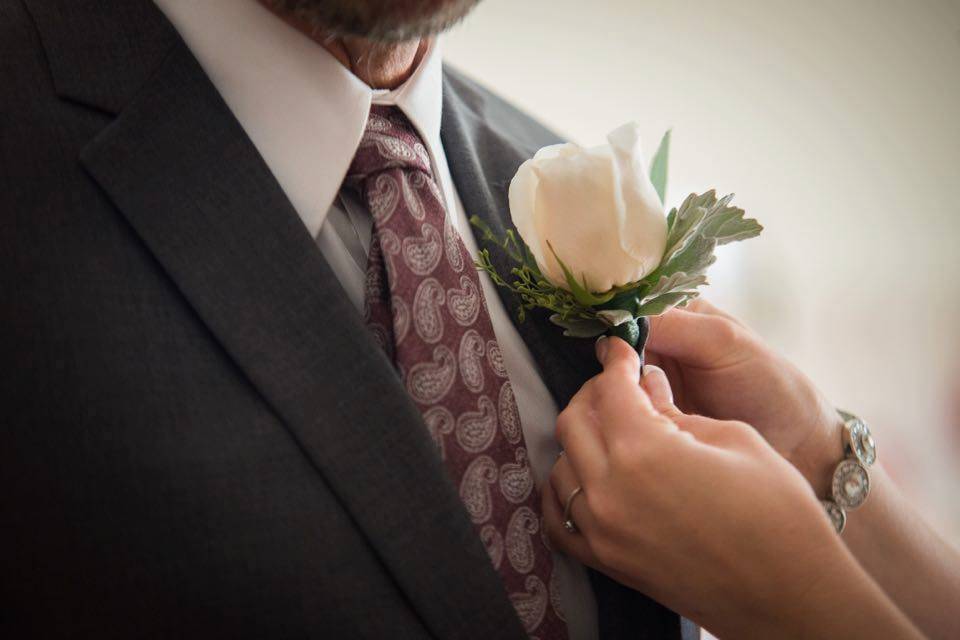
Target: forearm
[(849, 604), (831, 597), (916, 567)]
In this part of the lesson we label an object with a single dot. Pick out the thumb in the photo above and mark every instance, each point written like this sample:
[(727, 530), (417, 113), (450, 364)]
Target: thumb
[(618, 357), (621, 373), (654, 382)]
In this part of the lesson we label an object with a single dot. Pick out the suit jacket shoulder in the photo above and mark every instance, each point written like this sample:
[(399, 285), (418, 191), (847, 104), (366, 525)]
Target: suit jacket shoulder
[(500, 116)]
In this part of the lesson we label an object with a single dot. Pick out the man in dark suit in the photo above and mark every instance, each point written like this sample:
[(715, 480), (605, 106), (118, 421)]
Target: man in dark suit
[(203, 439)]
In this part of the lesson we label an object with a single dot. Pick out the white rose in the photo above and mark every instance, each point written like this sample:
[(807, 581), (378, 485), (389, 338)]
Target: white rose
[(596, 207)]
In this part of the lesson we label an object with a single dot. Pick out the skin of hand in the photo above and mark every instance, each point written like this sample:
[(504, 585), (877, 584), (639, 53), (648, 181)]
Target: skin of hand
[(720, 368), (702, 515)]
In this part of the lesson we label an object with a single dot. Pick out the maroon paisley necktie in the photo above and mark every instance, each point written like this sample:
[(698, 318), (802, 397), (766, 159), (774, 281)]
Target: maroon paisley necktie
[(425, 307)]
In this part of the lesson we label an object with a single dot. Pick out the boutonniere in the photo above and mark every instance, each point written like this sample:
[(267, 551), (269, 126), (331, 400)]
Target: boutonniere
[(595, 248)]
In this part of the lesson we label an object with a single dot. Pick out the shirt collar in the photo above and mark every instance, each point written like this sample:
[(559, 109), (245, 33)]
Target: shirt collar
[(303, 110), (421, 96)]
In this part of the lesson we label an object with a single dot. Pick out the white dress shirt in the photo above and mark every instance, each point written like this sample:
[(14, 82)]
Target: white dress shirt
[(305, 113)]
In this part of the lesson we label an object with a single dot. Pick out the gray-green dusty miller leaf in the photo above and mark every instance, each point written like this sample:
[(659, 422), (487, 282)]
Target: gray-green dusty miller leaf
[(578, 327), (700, 224), (670, 291), (615, 317), (689, 221), (693, 259), (693, 232), (660, 304), (728, 225), (676, 282), (684, 225)]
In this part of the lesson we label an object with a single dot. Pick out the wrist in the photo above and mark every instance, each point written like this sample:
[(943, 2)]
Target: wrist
[(850, 481), (817, 456)]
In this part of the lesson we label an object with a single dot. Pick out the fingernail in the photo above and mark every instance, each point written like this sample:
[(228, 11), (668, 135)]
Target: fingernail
[(601, 348), (655, 383)]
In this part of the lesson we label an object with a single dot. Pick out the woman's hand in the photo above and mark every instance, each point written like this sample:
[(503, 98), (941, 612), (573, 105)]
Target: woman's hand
[(720, 368), (701, 514)]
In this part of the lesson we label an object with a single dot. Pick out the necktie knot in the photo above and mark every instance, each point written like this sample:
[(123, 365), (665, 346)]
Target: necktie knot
[(389, 142)]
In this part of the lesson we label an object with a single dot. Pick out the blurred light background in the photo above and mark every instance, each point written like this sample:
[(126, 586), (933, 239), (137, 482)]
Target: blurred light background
[(838, 126)]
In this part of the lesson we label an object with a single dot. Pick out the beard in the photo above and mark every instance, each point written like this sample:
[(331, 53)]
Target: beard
[(378, 20)]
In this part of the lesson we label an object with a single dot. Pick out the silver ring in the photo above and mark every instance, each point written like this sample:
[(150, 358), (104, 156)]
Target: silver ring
[(568, 522)]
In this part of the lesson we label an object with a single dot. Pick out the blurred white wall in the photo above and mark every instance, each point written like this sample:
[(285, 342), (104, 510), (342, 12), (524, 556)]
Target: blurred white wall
[(838, 126)]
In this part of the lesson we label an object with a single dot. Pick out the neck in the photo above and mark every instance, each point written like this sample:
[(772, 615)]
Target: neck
[(381, 65)]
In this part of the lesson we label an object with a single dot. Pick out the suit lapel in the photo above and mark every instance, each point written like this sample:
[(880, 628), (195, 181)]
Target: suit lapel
[(482, 162), (181, 170), (484, 147)]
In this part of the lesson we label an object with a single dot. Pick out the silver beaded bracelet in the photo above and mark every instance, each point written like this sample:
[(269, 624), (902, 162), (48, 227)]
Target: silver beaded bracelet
[(851, 480)]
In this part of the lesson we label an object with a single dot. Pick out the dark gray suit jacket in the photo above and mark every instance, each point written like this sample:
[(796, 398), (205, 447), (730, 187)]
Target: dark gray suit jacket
[(200, 439)]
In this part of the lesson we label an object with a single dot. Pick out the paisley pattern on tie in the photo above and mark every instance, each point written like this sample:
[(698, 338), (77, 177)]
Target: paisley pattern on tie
[(425, 307)]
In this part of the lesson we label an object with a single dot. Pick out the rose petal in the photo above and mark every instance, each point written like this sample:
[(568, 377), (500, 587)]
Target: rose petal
[(522, 196), (641, 221), (576, 213)]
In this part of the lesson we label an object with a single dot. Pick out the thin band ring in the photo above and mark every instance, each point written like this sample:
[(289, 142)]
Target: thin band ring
[(568, 522)]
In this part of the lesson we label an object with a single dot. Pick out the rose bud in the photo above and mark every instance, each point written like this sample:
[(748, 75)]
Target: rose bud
[(595, 207)]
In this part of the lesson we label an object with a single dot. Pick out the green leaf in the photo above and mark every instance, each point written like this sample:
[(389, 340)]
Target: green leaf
[(694, 259), (579, 327), (658, 166), (615, 317), (701, 224), (728, 225), (530, 261), (484, 229), (580, 291), (625, 297), (675, 283), (660, 304), (670, 291), (512, 246), (686, 222)]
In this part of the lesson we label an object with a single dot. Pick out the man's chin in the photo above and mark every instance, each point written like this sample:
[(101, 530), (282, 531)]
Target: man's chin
[(377, 20)]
